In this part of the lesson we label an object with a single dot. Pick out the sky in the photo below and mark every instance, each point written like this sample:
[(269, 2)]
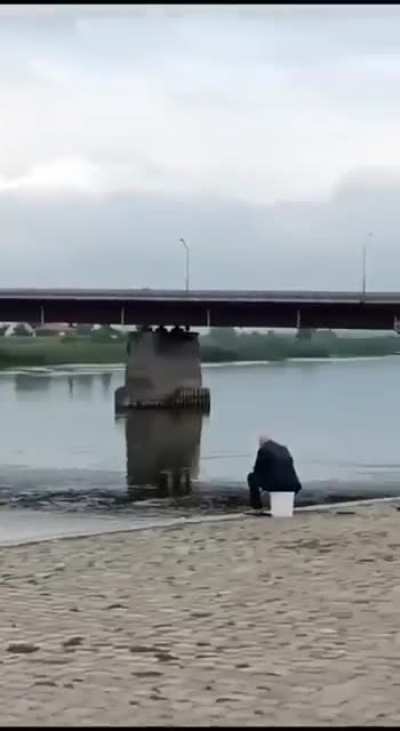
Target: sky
[(266, 136)]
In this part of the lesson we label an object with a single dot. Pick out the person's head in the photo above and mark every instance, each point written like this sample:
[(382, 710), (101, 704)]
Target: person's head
[(263, 439)]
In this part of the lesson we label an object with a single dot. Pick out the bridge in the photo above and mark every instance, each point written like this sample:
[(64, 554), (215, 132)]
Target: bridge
[(204, 308), (163, 366)]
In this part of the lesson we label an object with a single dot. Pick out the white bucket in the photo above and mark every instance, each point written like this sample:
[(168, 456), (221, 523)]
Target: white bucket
[(282, 504)]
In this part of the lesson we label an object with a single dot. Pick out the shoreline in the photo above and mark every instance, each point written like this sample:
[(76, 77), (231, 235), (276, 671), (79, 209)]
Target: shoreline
[(161, 524), (118, 366), (239, 622), (48, 512)]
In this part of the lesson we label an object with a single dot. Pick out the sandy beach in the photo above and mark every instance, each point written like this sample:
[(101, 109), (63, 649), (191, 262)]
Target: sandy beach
[(249, 621)]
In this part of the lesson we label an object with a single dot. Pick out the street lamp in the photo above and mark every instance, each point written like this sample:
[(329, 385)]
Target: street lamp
[(183, 242), (364, 266)]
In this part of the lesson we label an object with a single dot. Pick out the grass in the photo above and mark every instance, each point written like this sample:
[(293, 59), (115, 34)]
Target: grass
[(47, 351)]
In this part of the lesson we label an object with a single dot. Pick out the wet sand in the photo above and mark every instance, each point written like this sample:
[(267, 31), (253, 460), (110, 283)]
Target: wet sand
[(241, 622)]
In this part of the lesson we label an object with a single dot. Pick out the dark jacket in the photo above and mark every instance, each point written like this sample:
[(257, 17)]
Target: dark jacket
[(274, 469)]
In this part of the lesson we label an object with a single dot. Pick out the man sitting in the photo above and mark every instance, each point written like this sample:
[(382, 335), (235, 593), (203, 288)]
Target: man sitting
[(273, 472)]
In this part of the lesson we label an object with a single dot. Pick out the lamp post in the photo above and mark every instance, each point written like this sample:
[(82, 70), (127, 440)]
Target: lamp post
[(364, 266), (183, 242)]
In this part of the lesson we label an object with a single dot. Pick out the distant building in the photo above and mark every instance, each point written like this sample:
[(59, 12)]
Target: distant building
[(54, 329), (19, 329)]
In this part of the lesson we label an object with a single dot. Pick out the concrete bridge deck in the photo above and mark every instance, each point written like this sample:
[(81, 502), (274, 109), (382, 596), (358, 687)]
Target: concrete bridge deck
[(204, 308)]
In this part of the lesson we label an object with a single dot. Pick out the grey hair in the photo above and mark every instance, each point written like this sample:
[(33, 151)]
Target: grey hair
[(263, 438)]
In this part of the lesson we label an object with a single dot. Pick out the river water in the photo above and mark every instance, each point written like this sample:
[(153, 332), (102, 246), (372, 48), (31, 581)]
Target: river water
[(67, 459)]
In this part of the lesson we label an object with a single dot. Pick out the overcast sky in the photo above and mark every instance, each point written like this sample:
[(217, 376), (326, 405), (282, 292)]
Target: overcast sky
[(267, 136)]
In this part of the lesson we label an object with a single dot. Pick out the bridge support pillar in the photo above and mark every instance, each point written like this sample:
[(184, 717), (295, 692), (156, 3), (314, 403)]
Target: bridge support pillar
[(163, 371)]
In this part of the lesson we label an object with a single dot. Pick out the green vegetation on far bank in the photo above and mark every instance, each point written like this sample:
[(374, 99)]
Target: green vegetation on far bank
[(229, 344), (220, 345), (45, 351)]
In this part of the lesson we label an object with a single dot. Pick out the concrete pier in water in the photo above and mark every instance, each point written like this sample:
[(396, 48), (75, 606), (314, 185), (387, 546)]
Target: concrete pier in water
[(163, 371)]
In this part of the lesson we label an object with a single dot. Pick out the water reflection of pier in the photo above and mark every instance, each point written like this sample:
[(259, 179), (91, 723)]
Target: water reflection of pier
[(32, 381), (163, 450)]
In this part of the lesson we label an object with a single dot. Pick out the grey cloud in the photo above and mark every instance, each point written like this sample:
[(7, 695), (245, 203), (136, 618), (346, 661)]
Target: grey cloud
[(259, 103), (132, 240)]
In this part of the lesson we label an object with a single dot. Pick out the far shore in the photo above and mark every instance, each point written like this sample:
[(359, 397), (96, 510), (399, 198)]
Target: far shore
[(204, 364), (240, 349)]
